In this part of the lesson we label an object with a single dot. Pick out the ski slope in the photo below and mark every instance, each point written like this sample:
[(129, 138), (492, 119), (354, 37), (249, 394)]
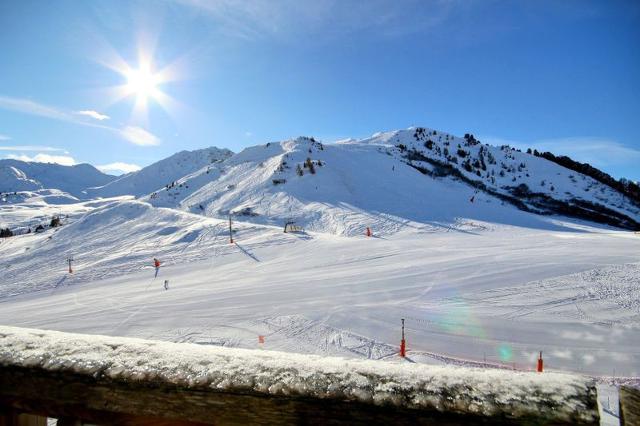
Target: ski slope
[(494, 294)]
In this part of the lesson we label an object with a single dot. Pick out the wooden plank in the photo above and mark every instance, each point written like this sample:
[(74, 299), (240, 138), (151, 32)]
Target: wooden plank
[(12, 417), (629, 406)]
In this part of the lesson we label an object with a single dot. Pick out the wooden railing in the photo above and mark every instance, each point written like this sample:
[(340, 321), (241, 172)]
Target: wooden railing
[(111, 380)]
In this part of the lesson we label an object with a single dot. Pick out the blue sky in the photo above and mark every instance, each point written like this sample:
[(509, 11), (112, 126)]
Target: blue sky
[(562, 76)]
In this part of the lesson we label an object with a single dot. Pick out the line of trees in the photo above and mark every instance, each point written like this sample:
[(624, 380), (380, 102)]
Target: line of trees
[(626, 187)]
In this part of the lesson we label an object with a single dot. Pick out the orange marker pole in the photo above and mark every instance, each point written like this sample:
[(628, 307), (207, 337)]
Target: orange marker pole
[(403, 346), (540, 363)]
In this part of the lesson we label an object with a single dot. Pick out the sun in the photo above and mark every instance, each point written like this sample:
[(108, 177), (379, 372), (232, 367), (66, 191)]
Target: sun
[(143, 83)]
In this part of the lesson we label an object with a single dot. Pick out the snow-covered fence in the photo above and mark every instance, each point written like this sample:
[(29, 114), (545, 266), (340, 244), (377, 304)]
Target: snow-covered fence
[(115, 379)]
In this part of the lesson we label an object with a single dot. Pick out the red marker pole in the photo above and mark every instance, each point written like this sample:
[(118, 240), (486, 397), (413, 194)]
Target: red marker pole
[(368, 231), (540, 363), (403, 346)]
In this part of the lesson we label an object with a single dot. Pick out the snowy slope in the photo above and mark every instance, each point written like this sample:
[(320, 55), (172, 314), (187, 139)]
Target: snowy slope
[(479, 279), (487, 297), (161, 173), (143, 232), (528, 181), (39, 196), (18, 175), (389, 182)]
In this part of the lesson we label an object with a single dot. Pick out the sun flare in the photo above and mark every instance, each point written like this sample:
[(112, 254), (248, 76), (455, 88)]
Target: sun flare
[(142, 82)]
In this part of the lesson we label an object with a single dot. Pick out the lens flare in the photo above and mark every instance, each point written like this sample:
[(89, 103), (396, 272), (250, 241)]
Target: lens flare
[(505, 352), (143, 82)]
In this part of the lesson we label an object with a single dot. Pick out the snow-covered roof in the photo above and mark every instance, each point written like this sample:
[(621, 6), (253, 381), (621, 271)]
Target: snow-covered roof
[(563, 397)]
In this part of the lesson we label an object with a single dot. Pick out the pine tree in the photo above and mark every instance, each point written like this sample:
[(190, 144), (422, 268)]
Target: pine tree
[(309, 164)]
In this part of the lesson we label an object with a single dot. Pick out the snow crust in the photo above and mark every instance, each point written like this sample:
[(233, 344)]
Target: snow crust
[(444, 388)]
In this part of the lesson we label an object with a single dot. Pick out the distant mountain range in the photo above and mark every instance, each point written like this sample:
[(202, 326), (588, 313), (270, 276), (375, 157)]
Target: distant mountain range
[(417, 175), (18, 175)]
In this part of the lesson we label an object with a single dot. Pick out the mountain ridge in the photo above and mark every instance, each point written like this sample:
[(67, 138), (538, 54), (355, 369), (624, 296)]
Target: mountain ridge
[(17, 175), (264, 182), (378, 180), (160, 173)]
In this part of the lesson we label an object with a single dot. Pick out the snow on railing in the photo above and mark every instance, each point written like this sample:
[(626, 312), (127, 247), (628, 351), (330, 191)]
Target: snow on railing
[(231, 384)]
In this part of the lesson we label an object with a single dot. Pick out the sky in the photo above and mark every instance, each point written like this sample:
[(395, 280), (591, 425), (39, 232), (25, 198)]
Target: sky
[(122, 84)]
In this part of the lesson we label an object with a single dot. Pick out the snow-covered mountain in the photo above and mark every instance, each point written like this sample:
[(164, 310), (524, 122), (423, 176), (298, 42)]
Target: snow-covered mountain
[(18, 175), (416, 175), (161, 173)]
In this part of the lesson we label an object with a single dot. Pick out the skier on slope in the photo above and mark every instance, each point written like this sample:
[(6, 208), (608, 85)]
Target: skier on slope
[(156, 264)]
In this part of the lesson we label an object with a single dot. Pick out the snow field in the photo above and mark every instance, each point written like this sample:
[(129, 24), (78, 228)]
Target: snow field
[(497, 296)]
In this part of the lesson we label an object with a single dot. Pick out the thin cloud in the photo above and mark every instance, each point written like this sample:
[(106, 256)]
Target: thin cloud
[(4, 138), (286, 18), (139, 136), (119, 167), (30, 148), (64, 160), (28, 106), (133, 134), (93, 114)]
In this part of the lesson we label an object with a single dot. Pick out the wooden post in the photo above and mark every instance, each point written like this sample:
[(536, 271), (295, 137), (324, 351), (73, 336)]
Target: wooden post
[(69, 260), (230, 231)]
